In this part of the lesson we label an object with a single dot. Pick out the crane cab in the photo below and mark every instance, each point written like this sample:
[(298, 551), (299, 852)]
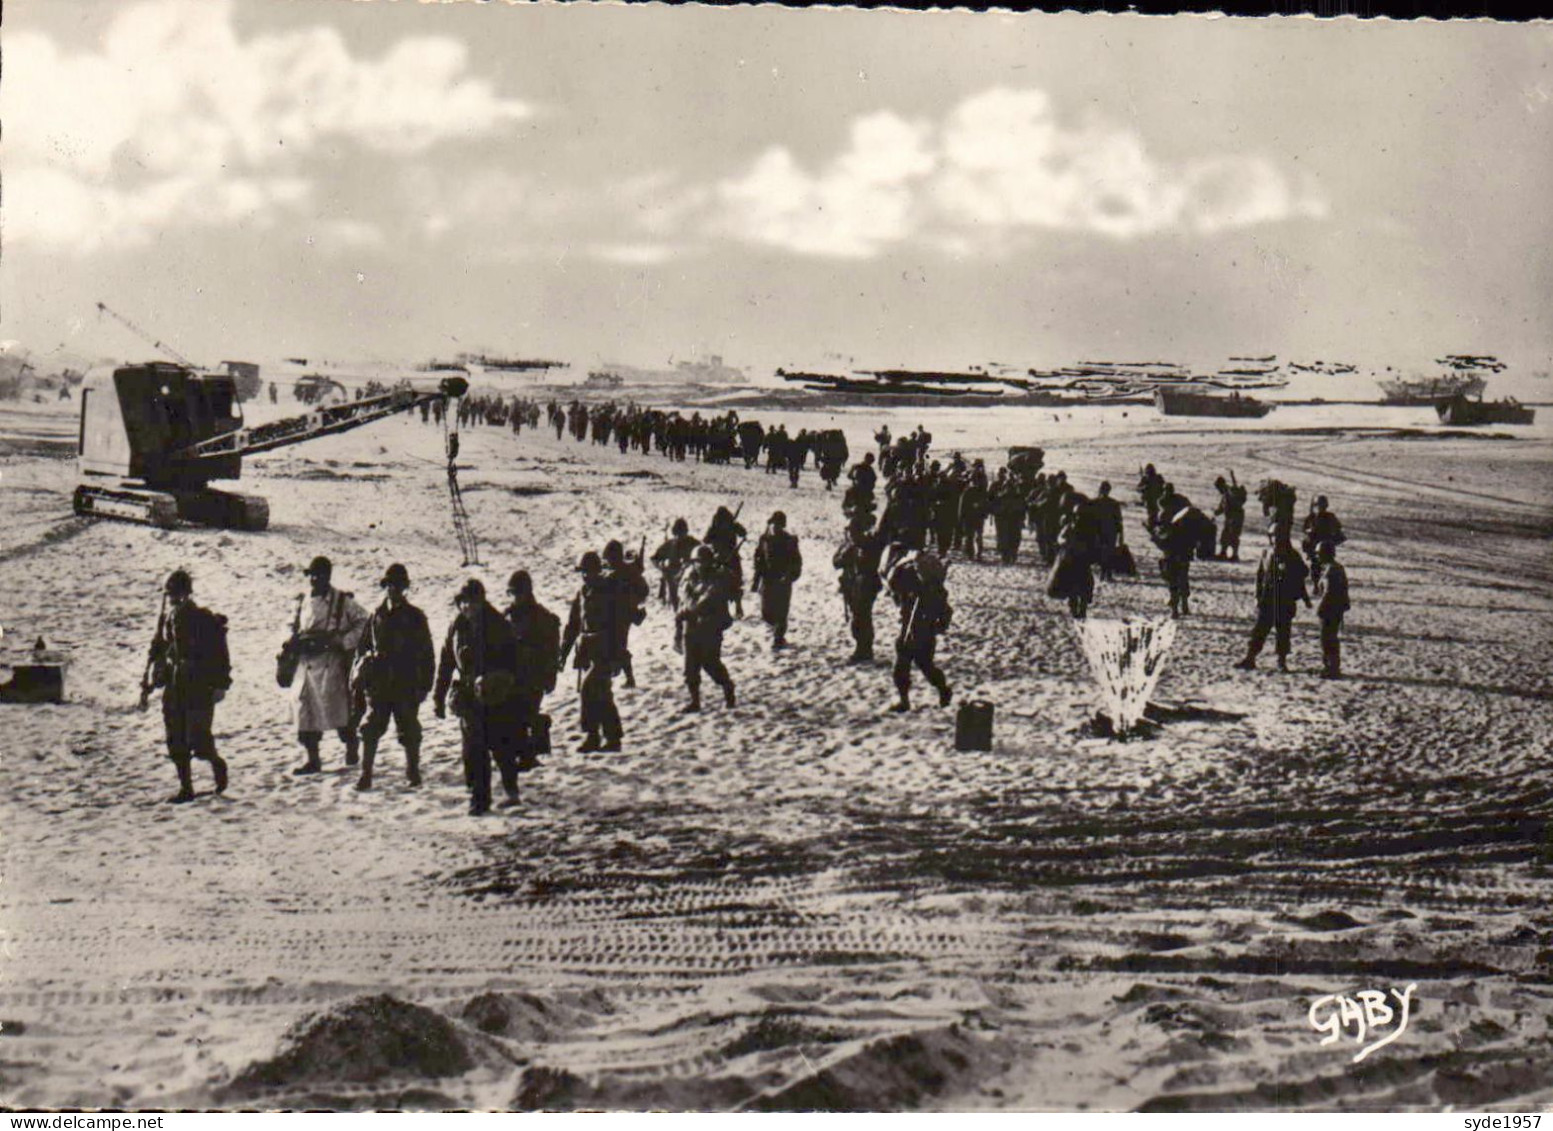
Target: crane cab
[(135, 424)]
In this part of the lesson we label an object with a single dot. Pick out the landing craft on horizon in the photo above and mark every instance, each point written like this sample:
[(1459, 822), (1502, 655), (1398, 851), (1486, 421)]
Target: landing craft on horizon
[(153, 437)]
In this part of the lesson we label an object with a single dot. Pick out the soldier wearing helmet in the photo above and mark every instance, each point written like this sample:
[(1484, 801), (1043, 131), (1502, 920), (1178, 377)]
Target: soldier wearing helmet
[(592, 626), (626, 575), (778, 564), (672, 558), (330, 624), (477, 675), (705, 617), (538, 633), (393, 673), (189, 661)]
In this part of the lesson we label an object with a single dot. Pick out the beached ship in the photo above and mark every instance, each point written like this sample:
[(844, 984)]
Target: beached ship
[(1460, 410), (1431, 390), (1183, 402)]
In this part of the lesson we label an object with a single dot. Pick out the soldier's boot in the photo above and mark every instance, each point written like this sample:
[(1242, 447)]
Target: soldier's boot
[(694, 706), (728, 696), (368, 757), (902, 704), (185, 784), (352, 746), (312, 765), (219, 771), (591, 743), (630, 674), (412, 764), (945, 694)]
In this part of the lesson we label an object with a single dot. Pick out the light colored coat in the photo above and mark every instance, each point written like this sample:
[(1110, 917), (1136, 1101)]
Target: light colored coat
[(322, 698)]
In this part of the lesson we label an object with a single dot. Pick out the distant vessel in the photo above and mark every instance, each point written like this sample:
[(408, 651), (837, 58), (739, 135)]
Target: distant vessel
[(1181, 402), (1431, 390), (710, 371), (1460, 410)]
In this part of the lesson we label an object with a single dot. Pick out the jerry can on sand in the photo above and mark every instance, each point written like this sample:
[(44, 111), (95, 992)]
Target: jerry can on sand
[(973, 725)]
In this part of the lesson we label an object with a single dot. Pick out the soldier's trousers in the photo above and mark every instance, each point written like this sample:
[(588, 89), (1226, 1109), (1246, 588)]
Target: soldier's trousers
[(407, 727), (1009, 537), (917, 653), (1277, 619), (477, 758), (776, 598), (1331, 645), (861, 609), (597, 694), (704, 653), (188, 719), (1177, 573)]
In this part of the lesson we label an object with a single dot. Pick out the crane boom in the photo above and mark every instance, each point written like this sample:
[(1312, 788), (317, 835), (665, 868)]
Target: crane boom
[(325, 421), (104, 308)]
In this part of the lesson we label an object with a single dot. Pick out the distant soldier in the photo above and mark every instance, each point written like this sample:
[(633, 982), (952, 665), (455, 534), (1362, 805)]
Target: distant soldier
[(1332, 591), (1072, 577), (189, 661), (778, 565), (394, 670), (858, 561), (706, 617), (1177, 537), (1232, 506), (330, 626), (1321, 528), (725, 535), (591, 627), (974, 504), (1008, 515), (1107, 513), (916, 582), (479, 667), (672, 559), (1151, 488), (1280, 586), (538, 634), (630, 582)]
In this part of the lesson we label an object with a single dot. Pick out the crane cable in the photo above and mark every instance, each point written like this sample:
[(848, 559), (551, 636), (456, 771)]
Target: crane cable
[(461, 524)]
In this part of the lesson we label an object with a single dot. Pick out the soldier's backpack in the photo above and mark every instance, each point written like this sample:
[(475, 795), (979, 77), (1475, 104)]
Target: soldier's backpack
[(210, 663)]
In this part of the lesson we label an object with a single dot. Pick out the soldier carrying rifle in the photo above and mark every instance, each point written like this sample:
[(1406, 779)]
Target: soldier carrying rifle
[(189, 662)]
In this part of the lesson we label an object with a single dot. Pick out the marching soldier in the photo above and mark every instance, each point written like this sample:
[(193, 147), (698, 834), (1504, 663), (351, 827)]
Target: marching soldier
[(330, 625), (858, 561), (672, 558), (1332, 589), (724, 536), (394, 670), (917, 585), (538, 633), (1280, 586), (778, 565), (631, 586), (591, 627), (478, 667), (706, 617), (1321, 528), (1232, 505), (189, 661)]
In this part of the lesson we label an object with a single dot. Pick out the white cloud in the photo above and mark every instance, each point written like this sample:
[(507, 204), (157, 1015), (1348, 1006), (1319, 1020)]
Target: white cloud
[(175, 119), (862, 201), (998, 165), (634, 254)]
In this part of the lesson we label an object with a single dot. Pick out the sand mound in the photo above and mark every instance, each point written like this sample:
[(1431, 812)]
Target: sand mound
[(524, 1017), (556, 1089), (896, 1074), (362, 1041)]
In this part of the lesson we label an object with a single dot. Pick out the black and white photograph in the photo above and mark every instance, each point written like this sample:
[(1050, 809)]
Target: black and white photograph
[(673, 558)]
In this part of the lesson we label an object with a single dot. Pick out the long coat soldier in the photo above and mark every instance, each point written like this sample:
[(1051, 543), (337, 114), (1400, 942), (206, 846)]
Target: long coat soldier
[(189, 661), (708, 589), (591, 626), (330, 624), (538, 634), (778, 565), (477, 676), (1332, 590), (394, 669), (627, 576)]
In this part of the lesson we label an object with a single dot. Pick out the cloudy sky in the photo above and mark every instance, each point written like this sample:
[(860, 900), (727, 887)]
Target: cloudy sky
[(252, 178)]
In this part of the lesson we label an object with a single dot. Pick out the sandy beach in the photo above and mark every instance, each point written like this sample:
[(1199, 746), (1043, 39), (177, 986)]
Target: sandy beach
[(803, 902)]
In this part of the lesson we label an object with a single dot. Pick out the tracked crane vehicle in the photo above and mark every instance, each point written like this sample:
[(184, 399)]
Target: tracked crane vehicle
[(155, 435)]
